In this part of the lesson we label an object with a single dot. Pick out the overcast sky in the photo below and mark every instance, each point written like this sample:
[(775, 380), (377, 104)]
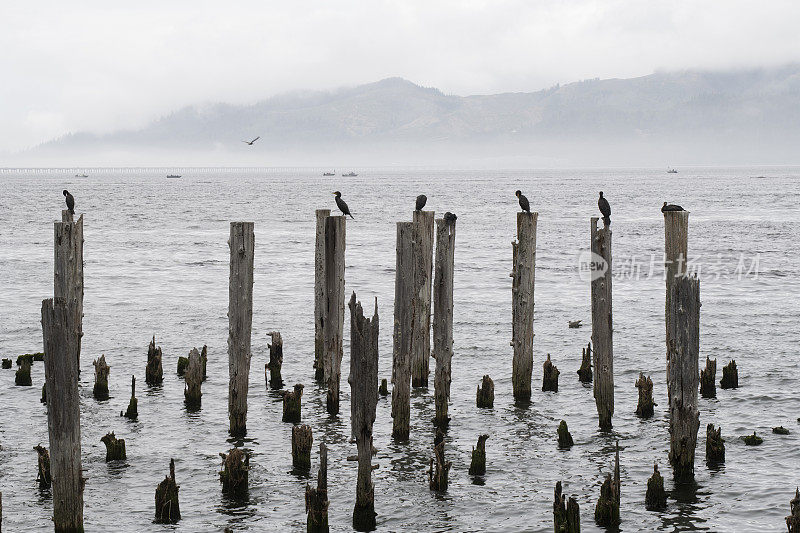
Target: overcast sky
[(106, 65)]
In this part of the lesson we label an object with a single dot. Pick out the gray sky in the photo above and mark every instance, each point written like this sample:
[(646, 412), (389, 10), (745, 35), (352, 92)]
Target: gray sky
[(105, 65)]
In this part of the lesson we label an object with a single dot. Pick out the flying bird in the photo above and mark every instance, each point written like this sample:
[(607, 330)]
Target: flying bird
[(421, 201), (523, 202), (342, 205), (70, 201), (671, 207), (250, 143), (605, 209)]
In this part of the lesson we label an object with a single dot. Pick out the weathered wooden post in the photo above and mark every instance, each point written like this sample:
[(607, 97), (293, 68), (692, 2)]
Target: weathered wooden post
[(43, 464), (22, 377), (477, 465), (644, 409), (275, 360), (423, 265), (549, 376), (565, 441), (523, 278), (793, 520), (484, 397), (193, 380), (708, 386), (234, 473), (154, 372), (68, 273), (319, 295), (132, 413), (439, 467), (402, 333), (363, 381), (240, 322), (168, 510), (676, 237), (443, 316), (606, 513), (292, 404), (333, 322), (730, 376), (602, 327), (683, 374), (317, 499), (566, 514), (715, 445), (115, 448), (101, 370), (655, 498), (302, 438), (59, 331), (585, 371)]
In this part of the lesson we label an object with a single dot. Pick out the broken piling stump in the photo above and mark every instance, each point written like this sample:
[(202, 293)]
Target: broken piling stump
[(730, 376), (68, 274), (549, 376), (240, 322), (564, 437), (132, 412), (43, 467), (275, 360), (602, 327), (793, 520), (708, 385), (715, 445), (291, 404), (168, 509), (522, 304), (333, 323), (485, 394), (403, 331), (655, 498), (233, 476), (644, 409), (193, 380), (422, 251), (183, 362), (63, 412), (566, 514), (477, 466), (752, 440), (317, 499), (606, 513), (383, 390), (363, 380), (302, 438), (101, 370), (443, 316), (115, 448), (319, 295), (585, 371), (6, 363), (154, 373), (23, 376), (439, 468), (780, 430)]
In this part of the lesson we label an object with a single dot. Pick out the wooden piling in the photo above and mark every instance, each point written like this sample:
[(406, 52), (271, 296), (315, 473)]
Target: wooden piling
[(730, 376), (477, 465), (43, 467), (154, 373), (193, 380), (522, 304), (275, 360), (319, 294), (363, 382), (644, 409), (317, 499), (585, 371), (606, 513), (333, 323), (101, 370), (63, 412), (485, 394), (292, 404), (443, 316), (715, 445), (168, 510), (565, 441), (423, 264), (566, 514), (302, 438), (68, 273), (793, 520), (22, 377), (402, 333), (204, 360), (676, 237), (132, 412), (655, 498), (183, 362), (708, 385), (602, 327), (683, 375), (115, 448), (383, 390), (234, 473), (549, 376), (6, 363), (240, 322), (439, 467)]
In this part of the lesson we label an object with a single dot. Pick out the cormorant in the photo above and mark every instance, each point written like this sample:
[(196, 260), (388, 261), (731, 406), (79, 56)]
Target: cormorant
[(70, 201), (342, 205), (602, 203), (250, 143), (421, 201), (523, 202), (449, 217), (671, 207)]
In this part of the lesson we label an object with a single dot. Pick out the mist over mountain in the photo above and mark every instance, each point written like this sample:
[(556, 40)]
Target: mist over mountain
[(666, 118)]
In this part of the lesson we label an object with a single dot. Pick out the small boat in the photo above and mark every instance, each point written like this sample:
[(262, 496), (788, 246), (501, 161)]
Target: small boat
[(329, 173), (672, 171), (350, 175), (173, 176), (81, 175)]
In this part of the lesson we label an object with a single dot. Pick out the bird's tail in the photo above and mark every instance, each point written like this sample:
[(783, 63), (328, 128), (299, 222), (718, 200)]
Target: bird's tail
[(606, 221), (351, 216), (71, 211)]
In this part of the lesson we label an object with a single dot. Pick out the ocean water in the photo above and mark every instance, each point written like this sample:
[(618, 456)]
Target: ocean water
[(156, 263)]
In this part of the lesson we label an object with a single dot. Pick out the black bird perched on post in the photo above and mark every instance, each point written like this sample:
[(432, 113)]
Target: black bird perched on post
[(421, 201), (523, 202), (671, 207), (449, 217), (250, 143), (70, 201), (342, 205), (602, 203)]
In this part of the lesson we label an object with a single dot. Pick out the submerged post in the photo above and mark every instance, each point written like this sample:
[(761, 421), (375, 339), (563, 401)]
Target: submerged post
[(319, 294), (403, 320), (423, 265), (63, 413), (240, 322), (523, 277), (363, 381), (683, 376), (68, 273), (602, 328), (443, 316), (334, 307)]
